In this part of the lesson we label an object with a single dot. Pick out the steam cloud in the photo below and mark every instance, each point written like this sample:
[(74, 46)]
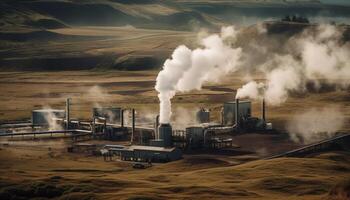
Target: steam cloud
[(315, 124), (320, 57), (188, 69)]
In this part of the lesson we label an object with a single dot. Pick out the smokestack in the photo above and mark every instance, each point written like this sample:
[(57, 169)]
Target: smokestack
[(237, 113), (67, 113), (263, 110), (133, 126), (165, 134), (222, 116), (93, 125), (156, 133), (121, 118)]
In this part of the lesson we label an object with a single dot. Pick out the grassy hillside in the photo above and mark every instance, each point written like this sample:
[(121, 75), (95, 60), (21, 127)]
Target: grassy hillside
[(129, 35), (73, 176)]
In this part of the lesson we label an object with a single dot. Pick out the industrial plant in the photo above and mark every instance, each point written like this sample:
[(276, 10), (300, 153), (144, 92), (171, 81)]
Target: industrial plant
[(155, 142)]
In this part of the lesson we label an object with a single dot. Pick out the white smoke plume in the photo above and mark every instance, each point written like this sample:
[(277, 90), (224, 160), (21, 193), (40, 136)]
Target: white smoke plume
[(316, 124), (53, 124), (184, 117), (252, 90), (188, 69), (317, 57)]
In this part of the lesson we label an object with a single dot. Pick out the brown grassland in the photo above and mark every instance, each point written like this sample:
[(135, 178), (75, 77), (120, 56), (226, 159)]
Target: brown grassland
[(36, 169), (32, 170), (44, 169)]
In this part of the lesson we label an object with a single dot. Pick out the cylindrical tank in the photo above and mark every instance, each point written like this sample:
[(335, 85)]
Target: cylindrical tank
[(165, 134), (195, 136), (203, 116)]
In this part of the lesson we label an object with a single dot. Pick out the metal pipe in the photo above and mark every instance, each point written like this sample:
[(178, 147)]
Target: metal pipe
[(156, 135), (133, 126), (121, 118), (67, 113), (263, 110), (93, 126), (105, 127), (237, 113)]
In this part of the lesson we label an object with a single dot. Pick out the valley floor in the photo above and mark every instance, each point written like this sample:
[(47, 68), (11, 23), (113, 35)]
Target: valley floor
[(44, 169)]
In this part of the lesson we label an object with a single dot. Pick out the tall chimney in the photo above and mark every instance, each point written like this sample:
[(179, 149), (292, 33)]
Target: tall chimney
[(67, 113), (237, 113), (133, 126), (222, 116), (121, 118), (263, 110), (156, 133)]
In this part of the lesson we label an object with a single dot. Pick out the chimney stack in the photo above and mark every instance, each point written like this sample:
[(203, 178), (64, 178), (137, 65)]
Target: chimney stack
[(237, 113), (133, 126), (156, 133), (263, 110), (121, 118), (165, 134), (67, 113)]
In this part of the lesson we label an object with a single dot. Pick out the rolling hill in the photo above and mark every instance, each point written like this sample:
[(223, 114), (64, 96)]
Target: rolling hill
[(129, 35)]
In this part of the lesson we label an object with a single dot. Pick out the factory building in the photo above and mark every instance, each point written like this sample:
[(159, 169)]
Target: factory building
[(229, 114), (148, 153)]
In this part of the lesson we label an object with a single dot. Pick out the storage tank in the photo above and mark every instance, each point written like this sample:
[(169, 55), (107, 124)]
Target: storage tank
[(229, 112), (165, 133), (195, 136), (43, 117), (203, 116)]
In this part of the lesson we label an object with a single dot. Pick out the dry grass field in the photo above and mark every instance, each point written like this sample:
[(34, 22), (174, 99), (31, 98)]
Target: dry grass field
[(108, 53), (44, 170)]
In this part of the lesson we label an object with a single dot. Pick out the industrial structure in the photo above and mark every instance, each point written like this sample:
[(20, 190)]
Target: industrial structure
[(45, 117), (159, 143)]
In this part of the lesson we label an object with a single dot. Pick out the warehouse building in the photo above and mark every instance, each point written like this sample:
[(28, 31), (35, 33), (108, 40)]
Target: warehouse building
[(147, 153)]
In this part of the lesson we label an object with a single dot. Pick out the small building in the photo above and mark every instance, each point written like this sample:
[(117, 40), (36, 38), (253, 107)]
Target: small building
[(45, 117), (229, 112), (148, 153)]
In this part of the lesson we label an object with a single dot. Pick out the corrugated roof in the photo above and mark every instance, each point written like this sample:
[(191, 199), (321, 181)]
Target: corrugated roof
[(151, 148), (240, 101), (48, 110)]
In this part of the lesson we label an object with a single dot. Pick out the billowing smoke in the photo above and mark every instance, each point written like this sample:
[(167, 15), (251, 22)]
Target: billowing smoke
[(53, 124), (188, 69), (316, 124), (184, 117), (250, 90), (319, 57)]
